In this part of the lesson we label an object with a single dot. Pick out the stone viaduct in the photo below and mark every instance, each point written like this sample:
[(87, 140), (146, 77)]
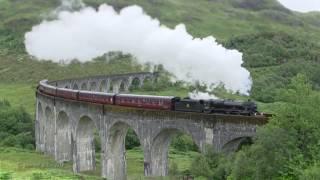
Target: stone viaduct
[(65, 129), (107, 83)]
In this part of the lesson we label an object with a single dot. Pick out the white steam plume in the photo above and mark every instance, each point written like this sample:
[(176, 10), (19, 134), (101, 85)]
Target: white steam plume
[(89, 33), (201, 95)]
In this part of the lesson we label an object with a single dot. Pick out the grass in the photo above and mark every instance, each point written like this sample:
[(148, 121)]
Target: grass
[(16, 69), (19, 95), (25, 164)]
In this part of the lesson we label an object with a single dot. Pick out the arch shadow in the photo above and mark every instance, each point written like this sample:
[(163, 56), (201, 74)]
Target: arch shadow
[(122, 87), (93, 86), (84, 86), (236, 144), (103, 86), (75, 87), (135, 83), (111, 87)]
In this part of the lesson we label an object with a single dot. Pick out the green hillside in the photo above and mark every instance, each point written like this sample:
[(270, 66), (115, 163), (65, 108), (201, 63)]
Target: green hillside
[(277, 43), (281, 49)]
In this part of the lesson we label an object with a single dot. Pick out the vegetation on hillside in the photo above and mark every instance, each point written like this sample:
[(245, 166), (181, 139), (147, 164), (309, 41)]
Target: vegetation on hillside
[(16, 127), (286, 148), (274, 58), (277, 43), (281, 50)]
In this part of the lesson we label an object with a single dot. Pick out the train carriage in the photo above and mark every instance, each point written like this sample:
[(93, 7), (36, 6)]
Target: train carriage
[(145, 101), (67, 93), (45, 88), (96, 97)]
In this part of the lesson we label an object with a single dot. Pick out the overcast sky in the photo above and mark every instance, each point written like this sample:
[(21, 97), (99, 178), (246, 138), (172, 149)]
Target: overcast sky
[(302, 5)]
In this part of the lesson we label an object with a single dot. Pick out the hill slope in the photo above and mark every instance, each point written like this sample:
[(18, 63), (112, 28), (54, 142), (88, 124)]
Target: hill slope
[(277, 43)]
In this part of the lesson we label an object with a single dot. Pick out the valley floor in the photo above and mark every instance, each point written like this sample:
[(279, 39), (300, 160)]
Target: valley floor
[(25, 164)]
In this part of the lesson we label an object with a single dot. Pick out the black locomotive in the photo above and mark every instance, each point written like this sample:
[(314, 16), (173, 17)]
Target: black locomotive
[(217, 106)]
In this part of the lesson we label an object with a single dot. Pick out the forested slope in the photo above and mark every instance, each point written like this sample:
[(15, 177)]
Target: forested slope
[(277, 43)]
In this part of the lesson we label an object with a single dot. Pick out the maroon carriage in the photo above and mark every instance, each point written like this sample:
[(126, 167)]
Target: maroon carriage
[(96, 97), (67, 93), (145, 101), (45, 88)]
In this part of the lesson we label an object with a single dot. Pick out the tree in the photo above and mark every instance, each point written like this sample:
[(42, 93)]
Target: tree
[(16, 127), (290, 142)]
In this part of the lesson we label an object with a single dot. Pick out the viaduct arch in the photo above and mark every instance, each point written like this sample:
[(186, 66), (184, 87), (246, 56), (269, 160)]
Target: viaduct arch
[(64, 129), (107, 83)]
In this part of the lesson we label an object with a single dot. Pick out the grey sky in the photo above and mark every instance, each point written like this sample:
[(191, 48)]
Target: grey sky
[(302, 5)]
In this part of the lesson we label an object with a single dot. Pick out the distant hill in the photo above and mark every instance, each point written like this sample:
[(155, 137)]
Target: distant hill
[(277, 43)]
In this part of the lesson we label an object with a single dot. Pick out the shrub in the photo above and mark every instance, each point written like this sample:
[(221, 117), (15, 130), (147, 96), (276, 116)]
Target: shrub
[(16, 127), (184, 143), (132, 140), (200, 167), (5, 176), (312, 172)]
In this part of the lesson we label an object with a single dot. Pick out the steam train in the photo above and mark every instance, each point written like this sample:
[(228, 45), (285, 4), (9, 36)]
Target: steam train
[(170, 103)]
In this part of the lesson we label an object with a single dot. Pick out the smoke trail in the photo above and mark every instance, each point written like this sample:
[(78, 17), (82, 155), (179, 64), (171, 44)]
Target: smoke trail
[(201, 95), (89, 33)]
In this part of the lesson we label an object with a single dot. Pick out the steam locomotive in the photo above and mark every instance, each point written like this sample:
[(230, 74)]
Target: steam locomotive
[(152, 102)]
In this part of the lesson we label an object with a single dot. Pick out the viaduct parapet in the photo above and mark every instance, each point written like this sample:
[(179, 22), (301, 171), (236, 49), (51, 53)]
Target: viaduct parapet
[(65, 129)]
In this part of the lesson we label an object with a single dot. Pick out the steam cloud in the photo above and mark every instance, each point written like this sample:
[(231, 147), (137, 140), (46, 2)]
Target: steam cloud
[(201, 95), (89, 33)]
